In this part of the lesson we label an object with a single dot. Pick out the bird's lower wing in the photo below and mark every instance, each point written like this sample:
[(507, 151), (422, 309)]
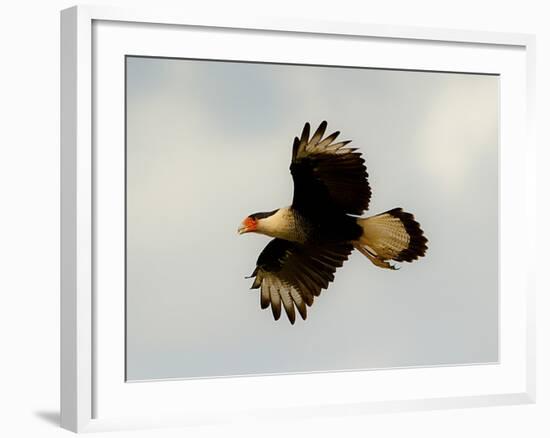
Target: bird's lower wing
[(290, 275)]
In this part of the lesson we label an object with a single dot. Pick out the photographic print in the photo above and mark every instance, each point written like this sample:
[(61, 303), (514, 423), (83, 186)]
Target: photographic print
[(287, 218)]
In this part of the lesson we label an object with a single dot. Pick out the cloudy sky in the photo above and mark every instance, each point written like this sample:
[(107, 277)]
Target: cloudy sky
[(209, 143)]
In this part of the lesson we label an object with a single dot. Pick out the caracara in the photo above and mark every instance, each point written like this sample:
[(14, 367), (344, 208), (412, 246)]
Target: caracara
[(317, 233)]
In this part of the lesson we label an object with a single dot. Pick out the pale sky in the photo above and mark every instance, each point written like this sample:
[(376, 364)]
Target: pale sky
[(210, 142)]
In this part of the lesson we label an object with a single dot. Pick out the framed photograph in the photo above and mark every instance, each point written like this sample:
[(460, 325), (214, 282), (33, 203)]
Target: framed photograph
[(266, 219)]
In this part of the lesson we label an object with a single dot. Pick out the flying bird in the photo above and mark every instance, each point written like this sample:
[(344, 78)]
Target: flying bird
[(316, 234)]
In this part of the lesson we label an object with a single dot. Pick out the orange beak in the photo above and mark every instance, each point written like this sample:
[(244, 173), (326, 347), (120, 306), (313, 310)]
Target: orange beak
[(248, 225)]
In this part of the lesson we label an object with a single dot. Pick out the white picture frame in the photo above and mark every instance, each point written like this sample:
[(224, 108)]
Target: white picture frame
[(93, 391)]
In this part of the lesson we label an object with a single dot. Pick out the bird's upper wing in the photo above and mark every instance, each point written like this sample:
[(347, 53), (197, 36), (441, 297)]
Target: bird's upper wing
[(327, 174), (293, 274)]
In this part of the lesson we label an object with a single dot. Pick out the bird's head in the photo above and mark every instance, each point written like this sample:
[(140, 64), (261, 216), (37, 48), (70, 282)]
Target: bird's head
[(254, 222)]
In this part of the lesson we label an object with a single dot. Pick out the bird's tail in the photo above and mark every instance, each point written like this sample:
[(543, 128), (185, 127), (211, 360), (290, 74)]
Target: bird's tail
[(393, 235)]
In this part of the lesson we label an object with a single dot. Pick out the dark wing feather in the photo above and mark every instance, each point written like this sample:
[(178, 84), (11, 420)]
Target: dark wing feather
[(290, 274), (328, 175)]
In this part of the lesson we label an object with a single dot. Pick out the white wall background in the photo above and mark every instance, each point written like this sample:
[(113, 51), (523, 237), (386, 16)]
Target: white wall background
[(29, 223)]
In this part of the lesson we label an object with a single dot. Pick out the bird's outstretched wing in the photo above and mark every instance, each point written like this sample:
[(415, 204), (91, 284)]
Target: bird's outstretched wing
[(292, 274), (327, 175)]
